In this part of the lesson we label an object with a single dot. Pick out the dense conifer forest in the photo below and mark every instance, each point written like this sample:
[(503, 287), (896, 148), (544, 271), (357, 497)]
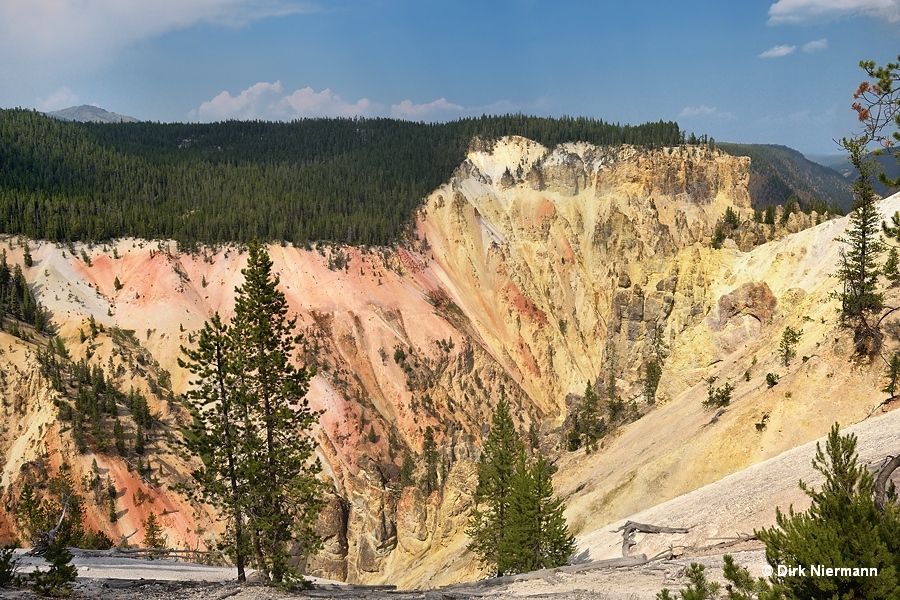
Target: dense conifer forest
[(355, 181)]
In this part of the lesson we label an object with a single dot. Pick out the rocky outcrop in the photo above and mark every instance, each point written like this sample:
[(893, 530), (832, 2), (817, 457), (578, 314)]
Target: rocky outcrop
[(752, 299)]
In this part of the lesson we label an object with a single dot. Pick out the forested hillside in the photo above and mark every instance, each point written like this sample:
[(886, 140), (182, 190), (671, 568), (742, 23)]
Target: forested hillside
[(355, 181), (778, 172)]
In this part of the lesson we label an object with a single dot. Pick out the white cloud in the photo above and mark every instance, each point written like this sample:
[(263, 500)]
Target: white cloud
[(258, 101), (801, 117), (308, 103), (792, 12), (689, 112), (60, 98), (815, 45), (268, 101), (271, 102), (440, 108), (778, 51), (89, 32)]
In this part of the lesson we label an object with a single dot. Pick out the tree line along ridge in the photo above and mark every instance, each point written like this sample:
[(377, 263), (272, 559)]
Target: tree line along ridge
[(355, 181)]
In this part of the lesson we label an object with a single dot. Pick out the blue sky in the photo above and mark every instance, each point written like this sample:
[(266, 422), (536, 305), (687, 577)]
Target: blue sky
[(739, 70)]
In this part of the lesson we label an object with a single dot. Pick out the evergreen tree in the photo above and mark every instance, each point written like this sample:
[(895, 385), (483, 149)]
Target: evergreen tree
[(842, 528), (516, 525), (139, 439), (787, 347), (8, 564), (496, 471), (430, 454), (153, 533), (406, 470), (615, 404), (892, 372), (650, 382), (859, 268), (58, 579), (892, 264), (536, 536), (699, 587), (285, 494), (217, 434), (589, 418), (119, 436), (653, 369), (251, 426)]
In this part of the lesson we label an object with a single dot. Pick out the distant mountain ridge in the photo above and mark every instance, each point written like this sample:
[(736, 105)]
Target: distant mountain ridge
[(887, 163), (776, 172), (90, 114)]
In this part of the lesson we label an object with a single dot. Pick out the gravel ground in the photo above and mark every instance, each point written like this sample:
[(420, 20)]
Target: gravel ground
[(133, 581)]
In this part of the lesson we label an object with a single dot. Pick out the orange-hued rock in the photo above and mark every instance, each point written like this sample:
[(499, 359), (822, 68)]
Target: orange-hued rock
[(526, 272)]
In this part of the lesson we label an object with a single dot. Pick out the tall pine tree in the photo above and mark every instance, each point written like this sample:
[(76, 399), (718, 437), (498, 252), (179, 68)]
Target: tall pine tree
[(216, 436), (286, 495), (496, 471), (251, 426), (859, 265)]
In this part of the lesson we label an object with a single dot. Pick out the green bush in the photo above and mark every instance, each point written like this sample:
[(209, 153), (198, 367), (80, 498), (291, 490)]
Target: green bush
[(842, 528), (717, 397), (787, 348), (56, 581), (8, 563), (771, 379), (698, 587)]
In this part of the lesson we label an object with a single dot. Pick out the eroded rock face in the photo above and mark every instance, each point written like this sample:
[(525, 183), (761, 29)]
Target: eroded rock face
[(332, 528)]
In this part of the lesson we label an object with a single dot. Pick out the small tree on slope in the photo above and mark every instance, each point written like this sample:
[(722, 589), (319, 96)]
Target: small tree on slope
[(496, 470), (859, 265), (536, 536), (516, 525), (842, 528)]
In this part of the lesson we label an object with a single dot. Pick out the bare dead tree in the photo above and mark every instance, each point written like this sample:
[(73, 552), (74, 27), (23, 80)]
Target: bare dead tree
[(890, 465), (630, 527), (46, 538)]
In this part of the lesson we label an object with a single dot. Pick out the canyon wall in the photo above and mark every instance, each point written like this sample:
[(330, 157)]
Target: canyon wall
[(526, 272)]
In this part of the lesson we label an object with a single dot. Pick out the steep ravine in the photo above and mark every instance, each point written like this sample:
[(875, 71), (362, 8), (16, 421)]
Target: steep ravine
[(528, 269)]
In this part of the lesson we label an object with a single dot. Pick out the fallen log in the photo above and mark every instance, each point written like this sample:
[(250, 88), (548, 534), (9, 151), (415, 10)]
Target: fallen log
[(630, 527), (645, 528), (467, 588), (728, 542), (138, 552)]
